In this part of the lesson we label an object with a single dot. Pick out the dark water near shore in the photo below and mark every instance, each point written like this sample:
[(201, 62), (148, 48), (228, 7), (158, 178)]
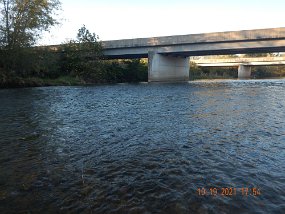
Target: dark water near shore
[(143, 148)]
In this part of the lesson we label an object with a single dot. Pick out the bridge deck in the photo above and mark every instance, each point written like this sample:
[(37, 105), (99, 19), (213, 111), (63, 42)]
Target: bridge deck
[(234, 36)]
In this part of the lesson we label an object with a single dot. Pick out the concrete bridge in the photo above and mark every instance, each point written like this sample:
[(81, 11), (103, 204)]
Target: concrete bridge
[(168, 56), (244, 64)]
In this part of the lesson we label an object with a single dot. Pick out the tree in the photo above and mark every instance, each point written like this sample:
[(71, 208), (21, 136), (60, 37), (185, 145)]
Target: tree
[(82, 56), (136, 70), (22, 21), (21, 24)]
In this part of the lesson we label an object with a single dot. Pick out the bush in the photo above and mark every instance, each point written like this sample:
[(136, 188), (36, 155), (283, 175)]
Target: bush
[(82, 57)]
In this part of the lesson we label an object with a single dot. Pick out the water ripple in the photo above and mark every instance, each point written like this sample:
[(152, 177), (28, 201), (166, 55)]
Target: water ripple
[(143, 148)]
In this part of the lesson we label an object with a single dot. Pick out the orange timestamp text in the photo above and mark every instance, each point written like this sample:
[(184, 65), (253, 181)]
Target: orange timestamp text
[(228, 191)]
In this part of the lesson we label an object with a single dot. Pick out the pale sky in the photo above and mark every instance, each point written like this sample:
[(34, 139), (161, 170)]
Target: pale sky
[(126, 19)]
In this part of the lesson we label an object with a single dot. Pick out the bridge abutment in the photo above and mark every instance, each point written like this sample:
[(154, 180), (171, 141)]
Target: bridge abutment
[(244, 71), (162, 68)]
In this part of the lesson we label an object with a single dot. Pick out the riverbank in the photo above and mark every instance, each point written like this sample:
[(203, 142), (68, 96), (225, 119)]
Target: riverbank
[(113, 71), (23, 82), (61, 74), (19, 82)]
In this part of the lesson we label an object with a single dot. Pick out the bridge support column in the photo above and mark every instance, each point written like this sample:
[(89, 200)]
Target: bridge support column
[(244, 71), (163, 68)]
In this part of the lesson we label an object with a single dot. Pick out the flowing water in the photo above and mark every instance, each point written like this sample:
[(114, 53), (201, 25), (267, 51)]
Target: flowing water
[(198, 147)]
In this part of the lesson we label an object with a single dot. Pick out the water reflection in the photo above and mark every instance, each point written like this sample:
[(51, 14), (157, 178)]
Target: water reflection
[(143, 148)]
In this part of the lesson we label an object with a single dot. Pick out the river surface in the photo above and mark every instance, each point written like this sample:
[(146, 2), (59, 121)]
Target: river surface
[(197, 147)]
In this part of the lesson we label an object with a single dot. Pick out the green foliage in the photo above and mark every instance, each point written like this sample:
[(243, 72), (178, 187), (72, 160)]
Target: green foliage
[(195, 71), (268, 71), (135, 70), (44, 63), (82, 57), (77, 62), (231, 72), (21, 22), (37, 81), (256, 55), (211, 73), (25, 62)]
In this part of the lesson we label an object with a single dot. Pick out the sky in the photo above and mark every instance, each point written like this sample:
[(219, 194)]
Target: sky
[(127, 19)]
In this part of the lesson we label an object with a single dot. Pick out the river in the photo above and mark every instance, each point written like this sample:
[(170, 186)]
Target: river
[(197, 147)]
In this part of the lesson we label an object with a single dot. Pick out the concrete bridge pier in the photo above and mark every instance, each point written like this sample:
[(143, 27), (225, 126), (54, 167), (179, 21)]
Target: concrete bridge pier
[(244, 71), (162, 68)]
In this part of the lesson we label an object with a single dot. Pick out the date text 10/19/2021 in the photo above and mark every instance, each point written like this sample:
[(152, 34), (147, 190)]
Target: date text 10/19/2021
[(228, 191)]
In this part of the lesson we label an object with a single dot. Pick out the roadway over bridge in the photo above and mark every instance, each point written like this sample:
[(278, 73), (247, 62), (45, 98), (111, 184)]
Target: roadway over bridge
[(169, 56)]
